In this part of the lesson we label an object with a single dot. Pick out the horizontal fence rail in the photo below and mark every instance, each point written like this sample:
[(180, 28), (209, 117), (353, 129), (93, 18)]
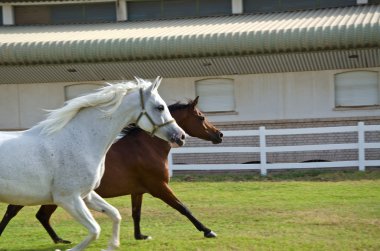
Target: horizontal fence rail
[(263, 149)]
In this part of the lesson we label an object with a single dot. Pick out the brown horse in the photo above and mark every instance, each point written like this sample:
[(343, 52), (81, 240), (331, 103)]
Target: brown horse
[(138, 164)]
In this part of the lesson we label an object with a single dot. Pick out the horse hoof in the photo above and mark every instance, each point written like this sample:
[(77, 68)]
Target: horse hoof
[(110, 248), (60, 241), (144, 237), (210, 234), (147, 238)]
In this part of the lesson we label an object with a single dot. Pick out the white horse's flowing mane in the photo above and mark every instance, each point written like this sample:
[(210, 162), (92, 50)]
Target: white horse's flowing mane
[(108, 96)]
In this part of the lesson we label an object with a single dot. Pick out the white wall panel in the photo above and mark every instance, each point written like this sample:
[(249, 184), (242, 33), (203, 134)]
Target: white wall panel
[(34, 98), (9, 107)]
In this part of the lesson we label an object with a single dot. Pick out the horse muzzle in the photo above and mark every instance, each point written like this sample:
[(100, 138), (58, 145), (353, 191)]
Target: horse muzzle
[(218, 138), (178, 139)]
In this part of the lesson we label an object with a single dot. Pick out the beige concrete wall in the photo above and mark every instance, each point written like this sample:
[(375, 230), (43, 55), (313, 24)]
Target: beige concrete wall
[(22, 106), (34, 98), (298, 95), (9, 107), (279, 96)]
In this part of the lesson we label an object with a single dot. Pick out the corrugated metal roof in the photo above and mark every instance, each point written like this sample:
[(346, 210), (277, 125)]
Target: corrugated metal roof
[(192, 67), (300, 31)]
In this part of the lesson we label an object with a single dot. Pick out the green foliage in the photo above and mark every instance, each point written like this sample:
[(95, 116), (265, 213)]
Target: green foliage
[(247, 213)]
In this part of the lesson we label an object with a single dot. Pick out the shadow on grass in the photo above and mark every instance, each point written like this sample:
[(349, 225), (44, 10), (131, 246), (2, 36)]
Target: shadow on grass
[(284, 175)]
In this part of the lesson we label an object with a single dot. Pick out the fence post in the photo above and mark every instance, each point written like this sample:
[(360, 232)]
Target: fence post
[(263, 153), (170, 163), (361, 146)]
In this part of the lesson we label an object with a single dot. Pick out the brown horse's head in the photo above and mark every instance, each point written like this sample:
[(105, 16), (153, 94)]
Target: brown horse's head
[(194, 123)]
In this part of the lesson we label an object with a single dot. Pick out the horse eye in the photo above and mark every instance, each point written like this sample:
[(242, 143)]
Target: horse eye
[(160, 108), (202, 118)]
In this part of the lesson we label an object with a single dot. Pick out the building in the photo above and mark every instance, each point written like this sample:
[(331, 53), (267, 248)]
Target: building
[(274, 63)]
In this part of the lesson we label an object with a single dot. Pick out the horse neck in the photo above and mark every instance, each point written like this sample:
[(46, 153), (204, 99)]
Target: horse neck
[(162, 146), (180, 116), (144, 142), (96, 130)]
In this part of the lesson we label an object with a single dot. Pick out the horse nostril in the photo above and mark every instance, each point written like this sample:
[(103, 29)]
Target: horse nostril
[(220, 135), (183, 136)]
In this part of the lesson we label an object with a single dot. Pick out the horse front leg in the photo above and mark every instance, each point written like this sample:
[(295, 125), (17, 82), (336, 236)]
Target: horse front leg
[(97, 203), (166, 194), (76, 207), (44, 215), (11, 212), (136, 215)]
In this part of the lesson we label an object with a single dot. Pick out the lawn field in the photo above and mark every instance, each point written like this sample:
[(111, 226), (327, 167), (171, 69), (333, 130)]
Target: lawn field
[(333, 211)]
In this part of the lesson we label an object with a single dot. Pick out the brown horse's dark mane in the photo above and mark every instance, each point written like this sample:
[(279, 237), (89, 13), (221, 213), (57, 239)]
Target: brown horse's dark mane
[(133, 128)]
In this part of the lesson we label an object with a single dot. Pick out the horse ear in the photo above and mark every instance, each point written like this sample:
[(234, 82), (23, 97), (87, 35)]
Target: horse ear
[(195, 101), (139, 80), (157, 83), (154, 86)]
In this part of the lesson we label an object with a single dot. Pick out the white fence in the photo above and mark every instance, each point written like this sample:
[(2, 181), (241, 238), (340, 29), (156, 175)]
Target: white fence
[(262, 149)]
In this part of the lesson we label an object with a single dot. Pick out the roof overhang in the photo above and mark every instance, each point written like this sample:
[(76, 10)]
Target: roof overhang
[(194, 67)]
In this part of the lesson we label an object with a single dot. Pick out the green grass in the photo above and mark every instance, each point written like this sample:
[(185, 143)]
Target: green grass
[(312, 210)]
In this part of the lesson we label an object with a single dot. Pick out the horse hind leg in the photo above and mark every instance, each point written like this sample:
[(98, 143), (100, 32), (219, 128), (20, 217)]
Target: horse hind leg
[(11, 212), (97, 203), (76, 207), (136, 215), (44, 215), (166, 194)]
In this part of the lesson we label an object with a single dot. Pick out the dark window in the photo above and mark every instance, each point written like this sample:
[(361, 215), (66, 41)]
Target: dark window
[(101, 12), (179, 8), (335, 3), (81, 13), (1, 15), (258, 6), (298, 5), (145, 10), (215, 7), (67, 14), (261, 6), (63, 14), (32, 15)]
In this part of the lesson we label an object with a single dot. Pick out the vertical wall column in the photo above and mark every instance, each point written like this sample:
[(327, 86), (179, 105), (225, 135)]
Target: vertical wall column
[(121, 10), (8, 16), (237, 6)]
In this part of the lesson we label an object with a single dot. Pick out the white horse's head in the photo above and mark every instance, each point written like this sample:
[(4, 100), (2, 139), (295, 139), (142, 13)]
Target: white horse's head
[(155, 116)]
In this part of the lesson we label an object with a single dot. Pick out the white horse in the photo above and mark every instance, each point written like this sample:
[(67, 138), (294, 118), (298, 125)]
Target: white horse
[(61, 160)]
